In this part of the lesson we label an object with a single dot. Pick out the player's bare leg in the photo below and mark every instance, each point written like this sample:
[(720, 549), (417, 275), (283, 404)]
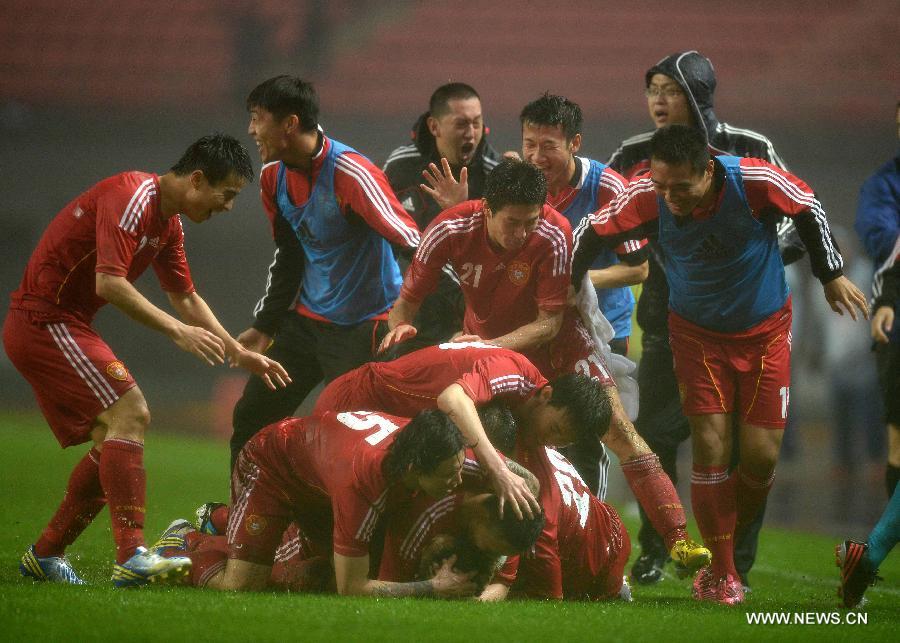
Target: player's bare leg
[(652, 487), (893, 467), (240, 575)]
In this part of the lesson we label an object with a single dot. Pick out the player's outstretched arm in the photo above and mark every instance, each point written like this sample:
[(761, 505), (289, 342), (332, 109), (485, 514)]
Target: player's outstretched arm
[(352, 577), (841, 293), (195, 340), (494, 593), (400, 322), (193, 309), (537, 333), (619, 275), (512, 489)]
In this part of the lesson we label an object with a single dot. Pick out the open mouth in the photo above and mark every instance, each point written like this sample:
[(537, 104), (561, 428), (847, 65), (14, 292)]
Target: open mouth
[(467, 149)]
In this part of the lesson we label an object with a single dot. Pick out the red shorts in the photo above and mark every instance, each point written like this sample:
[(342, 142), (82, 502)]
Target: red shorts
[(746, 373), (599, 575), (74, 374), (571, 351), (262, 507)]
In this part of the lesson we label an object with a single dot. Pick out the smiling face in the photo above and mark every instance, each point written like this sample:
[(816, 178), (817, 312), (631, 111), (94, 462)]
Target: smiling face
[(667, 102), (203, 200), (458, 132), (546, 147), (679, 186), (445, 478), (270, 133), (510, 226)]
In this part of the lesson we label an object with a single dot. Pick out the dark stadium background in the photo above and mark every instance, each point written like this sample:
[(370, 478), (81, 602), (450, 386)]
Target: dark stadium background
[(88, 89)]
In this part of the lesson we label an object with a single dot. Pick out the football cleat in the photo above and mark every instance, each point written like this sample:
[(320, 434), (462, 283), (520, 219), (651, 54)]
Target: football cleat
[(172, 540), (204, 518), (691, 555), (648, 568), (148, 566), (704, 588), (55, 569), (729, 590), (857, 571)]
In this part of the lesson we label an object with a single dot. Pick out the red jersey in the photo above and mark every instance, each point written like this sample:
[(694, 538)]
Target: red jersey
[(503, 289), (333, 461), (582, 536), (413, 382), (116, 228)]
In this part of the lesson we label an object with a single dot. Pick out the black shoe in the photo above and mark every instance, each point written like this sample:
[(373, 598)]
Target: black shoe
[(857, 571), (648, 569)]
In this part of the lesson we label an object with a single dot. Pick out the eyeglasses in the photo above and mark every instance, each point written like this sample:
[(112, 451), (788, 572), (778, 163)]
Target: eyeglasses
[(668, 92)]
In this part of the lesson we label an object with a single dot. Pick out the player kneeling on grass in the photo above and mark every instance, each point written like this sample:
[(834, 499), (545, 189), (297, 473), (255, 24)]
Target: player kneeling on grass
[(89, 255), (347, 468)]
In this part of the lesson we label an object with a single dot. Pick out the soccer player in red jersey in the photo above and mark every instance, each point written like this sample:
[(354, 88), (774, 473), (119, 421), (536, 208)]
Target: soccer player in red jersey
[(336, 475), (512, 253), (730, 315), (89, 255)]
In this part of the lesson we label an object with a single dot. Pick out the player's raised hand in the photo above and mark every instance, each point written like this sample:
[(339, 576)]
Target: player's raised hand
[(882, 324), (449, 583), (254, 340), (468, 339), (269, 371), (400, 333), (200, 342), (443, 187), (841, 292), (513, 491)]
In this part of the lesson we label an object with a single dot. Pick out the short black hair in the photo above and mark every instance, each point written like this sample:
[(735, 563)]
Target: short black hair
[(678, 144), (217, 156), (587, 403), (499, 425), (515, 182), (439, 103), (521, 534), (286, 95), (430, 438), (551, 110)]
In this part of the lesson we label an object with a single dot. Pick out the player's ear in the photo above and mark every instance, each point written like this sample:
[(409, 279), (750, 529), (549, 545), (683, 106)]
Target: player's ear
[(198, 179), (432, 124), (575, 144), (486, 209), (291, 123), (545, 394)]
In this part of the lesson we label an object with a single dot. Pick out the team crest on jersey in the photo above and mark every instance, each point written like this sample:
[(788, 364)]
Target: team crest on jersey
[(518, 272), (117, 370), (255, 525)]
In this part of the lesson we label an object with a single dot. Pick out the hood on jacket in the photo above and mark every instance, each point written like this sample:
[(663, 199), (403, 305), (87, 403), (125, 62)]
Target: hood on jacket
[(424, 141), (695, 74)]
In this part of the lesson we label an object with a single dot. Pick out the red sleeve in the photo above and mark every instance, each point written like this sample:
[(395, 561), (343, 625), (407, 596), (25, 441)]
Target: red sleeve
[(506, 374), (364, 189), (612, 184), (632, 248), (554, 269), (507, 574), (268, 182), (768, 186), (425, 270), (634, 207), (170, 265), (119, 227)]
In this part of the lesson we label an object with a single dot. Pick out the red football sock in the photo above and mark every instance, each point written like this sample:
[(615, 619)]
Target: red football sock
[(83, 501), (208, 558), (656, 494), (712, 497), (124, 481), (751, 493)]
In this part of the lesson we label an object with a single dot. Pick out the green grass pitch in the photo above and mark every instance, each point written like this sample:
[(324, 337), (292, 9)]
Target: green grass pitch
[(795, 574)]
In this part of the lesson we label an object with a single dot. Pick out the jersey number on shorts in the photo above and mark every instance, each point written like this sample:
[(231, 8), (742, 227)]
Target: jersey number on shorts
[(364, 421), (564, 475)]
